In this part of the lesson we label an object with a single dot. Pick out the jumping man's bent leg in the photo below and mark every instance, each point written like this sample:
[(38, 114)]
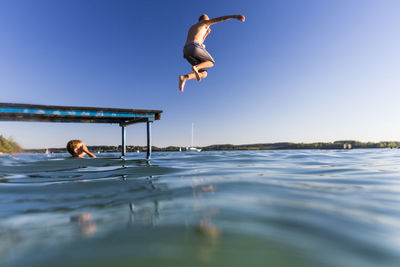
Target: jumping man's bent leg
[(196, 68), (184, 78)]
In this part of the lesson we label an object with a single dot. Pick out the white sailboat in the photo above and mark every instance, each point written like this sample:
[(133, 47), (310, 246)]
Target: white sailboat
[(192, 148)]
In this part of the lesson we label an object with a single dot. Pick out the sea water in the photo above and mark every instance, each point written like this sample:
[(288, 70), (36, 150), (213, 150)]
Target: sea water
[(223, 208)]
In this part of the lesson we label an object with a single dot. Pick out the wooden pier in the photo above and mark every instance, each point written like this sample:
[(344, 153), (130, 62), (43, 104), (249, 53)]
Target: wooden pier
[(44, 113)]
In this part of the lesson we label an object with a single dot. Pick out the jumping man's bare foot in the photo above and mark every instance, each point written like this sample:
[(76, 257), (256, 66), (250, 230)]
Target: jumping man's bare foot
[(196, 72), (182, 81)]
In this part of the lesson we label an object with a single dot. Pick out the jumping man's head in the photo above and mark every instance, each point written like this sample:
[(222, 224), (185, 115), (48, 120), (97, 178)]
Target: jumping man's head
[(204, 17), (75, 148)]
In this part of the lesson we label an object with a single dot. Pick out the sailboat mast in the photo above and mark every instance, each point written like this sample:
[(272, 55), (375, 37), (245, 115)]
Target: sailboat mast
[(192, 133)]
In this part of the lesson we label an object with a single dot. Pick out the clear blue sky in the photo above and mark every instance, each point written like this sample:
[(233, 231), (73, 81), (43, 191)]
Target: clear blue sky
[(299, 71)]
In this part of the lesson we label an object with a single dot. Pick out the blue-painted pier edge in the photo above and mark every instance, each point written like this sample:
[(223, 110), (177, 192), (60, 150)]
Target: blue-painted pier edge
[(45, 113)]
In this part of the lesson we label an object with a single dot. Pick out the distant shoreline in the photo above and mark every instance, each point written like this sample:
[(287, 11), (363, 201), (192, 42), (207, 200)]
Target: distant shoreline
[(228, 147)]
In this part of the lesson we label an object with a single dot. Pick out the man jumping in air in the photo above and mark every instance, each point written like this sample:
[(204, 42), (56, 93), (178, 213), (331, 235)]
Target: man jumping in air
[(195, 51)]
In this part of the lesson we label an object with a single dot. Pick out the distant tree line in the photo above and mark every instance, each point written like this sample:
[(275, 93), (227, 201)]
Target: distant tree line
[(9, 146), (264, 146), (317, 145)]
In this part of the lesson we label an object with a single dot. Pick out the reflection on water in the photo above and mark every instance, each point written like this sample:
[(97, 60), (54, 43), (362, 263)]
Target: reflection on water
[(84, 222), (230, 208)]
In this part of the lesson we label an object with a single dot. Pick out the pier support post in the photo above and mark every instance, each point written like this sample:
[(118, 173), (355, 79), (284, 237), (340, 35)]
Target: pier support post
[(123, 149), (148, 140)]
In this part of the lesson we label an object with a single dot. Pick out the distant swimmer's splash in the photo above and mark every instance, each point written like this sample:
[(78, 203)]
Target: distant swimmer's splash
[(195, 51)]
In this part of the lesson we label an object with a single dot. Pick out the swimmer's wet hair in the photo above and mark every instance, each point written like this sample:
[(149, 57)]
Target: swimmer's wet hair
[(71, 145), (204, 17)]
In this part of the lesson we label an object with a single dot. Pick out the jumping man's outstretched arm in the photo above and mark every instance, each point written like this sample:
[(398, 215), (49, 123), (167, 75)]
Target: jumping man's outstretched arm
[(224, 18)]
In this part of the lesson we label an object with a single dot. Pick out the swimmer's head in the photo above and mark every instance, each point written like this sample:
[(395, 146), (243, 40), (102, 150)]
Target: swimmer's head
[(75, 148), (204, 17)]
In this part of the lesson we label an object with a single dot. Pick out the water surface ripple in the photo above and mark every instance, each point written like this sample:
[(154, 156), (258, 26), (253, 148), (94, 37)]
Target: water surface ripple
[(226, 208)]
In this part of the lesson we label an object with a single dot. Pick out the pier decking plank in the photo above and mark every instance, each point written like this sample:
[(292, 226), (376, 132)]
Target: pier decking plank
[(45, 113)]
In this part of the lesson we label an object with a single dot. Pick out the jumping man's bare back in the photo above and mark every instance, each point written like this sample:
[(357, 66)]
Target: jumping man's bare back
[(197, 34)]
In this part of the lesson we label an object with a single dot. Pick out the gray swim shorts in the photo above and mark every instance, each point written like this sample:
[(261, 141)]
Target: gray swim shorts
[(196, 53)]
